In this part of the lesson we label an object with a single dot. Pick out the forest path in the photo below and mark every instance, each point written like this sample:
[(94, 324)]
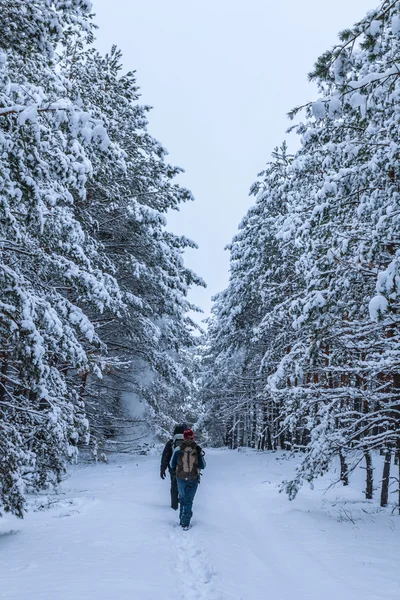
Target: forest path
[(111, 535)]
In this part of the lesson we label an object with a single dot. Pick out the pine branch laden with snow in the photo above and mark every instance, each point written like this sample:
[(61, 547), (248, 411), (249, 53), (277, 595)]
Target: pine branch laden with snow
[(312, 307)]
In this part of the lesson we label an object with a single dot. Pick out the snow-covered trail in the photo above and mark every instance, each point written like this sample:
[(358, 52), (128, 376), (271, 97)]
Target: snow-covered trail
[(112, 536)]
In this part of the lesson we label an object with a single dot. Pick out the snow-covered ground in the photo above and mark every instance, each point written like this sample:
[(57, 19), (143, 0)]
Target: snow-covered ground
[(111, 535)]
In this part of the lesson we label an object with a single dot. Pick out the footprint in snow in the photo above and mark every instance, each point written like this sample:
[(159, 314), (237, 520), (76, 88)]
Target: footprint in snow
[(196, 574)]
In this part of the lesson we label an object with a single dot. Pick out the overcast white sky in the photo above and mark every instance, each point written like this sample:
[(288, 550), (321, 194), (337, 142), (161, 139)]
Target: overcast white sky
[(221, 76)]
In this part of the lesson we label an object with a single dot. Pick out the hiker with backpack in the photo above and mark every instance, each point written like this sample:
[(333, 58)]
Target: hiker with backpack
[(187, 462), (169, 448)]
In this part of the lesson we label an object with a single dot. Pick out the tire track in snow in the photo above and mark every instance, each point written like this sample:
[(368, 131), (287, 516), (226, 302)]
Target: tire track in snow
[(196, 574)]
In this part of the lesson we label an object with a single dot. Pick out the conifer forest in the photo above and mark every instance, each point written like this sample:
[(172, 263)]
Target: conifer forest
[(302, 350)]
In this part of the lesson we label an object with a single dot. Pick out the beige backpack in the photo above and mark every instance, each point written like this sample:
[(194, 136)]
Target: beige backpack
[(187, 466)]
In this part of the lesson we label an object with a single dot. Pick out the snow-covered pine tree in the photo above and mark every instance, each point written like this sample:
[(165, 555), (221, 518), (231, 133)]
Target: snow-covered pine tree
[(128, 197), (92, 279), (46, 256), (351, 228), (335, 373)]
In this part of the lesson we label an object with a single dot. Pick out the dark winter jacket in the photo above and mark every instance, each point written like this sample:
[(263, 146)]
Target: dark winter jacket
[(169, 449), (166, 455)]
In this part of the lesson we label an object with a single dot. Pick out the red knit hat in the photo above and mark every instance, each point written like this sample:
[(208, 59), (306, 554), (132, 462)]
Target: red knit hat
[(188, 434)]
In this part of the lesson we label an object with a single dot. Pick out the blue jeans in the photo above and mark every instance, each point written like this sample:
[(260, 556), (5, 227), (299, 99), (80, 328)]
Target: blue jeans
[(187, 491)]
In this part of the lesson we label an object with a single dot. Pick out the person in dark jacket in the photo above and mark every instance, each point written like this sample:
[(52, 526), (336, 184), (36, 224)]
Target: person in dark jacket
[(187, 461), (165, 459)]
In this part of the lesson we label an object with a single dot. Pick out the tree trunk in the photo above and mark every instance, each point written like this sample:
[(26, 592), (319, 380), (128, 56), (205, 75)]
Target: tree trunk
[(229, 434), (344, 469), (269, 439), (398, 473), (369, 490), (254, 436), (84, 379), (396, 385), (3, 381), (385, 478)]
